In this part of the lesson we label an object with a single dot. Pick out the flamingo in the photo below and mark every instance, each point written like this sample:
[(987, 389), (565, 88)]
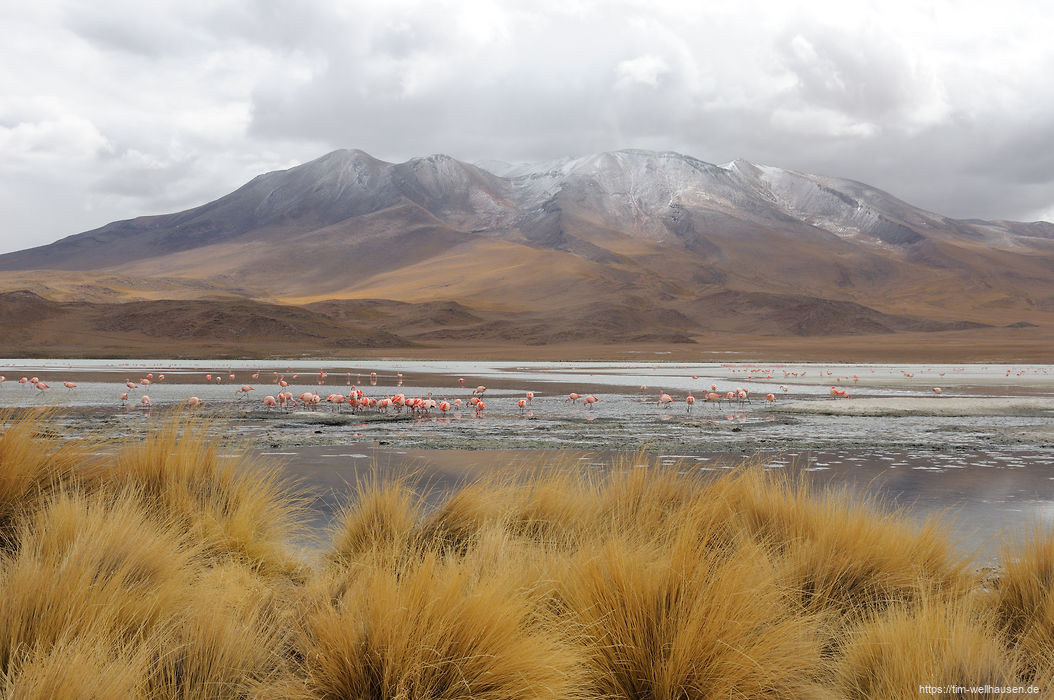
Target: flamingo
[(479, 390), (572, 397), (479, 408), (664, 400), (69, 385), (444, 406), (690, 400), (244, 391), (771, 398), (193, 401), (145, 400), (130, 384), (937, 390), (160, 377), (124, 398), (589, 401), (270, 402), (530, 395), (522, 404)]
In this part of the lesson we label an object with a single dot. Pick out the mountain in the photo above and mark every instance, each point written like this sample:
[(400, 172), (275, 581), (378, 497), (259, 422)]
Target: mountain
[(632, 247)]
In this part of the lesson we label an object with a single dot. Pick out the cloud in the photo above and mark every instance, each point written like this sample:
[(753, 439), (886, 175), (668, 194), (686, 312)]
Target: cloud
[(120, 109), (643, 70)]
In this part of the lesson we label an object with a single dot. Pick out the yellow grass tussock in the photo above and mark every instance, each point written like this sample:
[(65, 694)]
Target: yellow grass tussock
[(933, 642), (34, 460), (434, 629), (170, 571), (1024, 598), (235, 509)]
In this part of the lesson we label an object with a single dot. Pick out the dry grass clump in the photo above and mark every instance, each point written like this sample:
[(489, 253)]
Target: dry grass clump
[(933, 642), (232, 638), (1024, 599), (166, 572), (690, 622), (435, 628), (233, 508), (33, 462), (87, 667), (86, 567), (383, 515), (843, 552)]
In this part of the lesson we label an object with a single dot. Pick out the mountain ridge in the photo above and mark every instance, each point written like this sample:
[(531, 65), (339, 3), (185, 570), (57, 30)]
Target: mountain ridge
[(685, 248)]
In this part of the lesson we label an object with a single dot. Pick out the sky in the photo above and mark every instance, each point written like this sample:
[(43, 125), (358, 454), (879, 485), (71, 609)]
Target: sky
[(117, 108)]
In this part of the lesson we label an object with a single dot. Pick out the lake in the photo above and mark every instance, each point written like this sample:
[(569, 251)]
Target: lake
[(983, 447)]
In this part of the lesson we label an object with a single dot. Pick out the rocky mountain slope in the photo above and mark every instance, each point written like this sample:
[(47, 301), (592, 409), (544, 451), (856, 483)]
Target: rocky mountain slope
[(630, 246)]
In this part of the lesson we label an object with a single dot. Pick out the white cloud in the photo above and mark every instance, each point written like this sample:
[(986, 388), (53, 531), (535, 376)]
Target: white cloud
[(119, 109), (643, 70)]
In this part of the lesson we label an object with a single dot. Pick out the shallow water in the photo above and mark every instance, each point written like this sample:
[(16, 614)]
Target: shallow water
[(996, 471)]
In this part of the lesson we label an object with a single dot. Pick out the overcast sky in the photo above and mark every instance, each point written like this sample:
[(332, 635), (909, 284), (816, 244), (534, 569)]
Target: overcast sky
[(110, 110)]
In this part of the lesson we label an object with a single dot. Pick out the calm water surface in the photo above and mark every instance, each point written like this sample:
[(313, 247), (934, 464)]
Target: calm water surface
[(993, 472)]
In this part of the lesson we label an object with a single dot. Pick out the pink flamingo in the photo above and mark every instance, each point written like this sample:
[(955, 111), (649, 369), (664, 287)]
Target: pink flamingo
[(131, 385), (479, 408), (572, 397), (270, 402), (937, 390), (193, 401), (145, 400), (479, 390), (124, 398), (522, 404), (589, 401), (771, 398), (244, 390), (69, 385), (690, 400), (664, 400)]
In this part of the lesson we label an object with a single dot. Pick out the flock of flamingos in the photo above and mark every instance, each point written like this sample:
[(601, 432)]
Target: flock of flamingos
[(357, 400)]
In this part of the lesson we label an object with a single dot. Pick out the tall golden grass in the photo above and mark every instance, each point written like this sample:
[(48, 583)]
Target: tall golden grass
[(167, 569)]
